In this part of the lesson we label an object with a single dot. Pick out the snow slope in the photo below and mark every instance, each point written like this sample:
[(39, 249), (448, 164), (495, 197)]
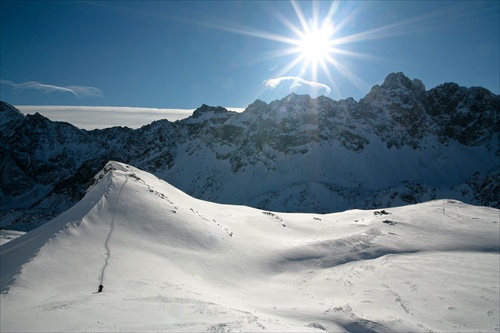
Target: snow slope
[(8, 235), (169, 262)]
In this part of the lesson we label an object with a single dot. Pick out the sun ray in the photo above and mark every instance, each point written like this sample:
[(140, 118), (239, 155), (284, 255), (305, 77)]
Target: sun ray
[(355, 79), (290, 66), (326, 70), (333, 8), (286, 22), (300, 16), (253, 33), (365, 56), (401, 27), (303, 70)]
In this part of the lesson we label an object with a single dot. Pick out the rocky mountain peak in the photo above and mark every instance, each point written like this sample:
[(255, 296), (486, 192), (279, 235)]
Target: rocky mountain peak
[(206, 113), (293, 100), (208, 109), (258, 106), (9, 113), (399, 88), (287, 106), (467, 115), (395, 81), (6, 107)]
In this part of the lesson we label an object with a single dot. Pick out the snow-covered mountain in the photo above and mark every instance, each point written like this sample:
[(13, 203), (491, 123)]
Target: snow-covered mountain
[(170, 262), (401, 144)]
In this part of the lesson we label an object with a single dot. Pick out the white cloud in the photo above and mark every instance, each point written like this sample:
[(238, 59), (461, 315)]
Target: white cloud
[(98, 117), (81, 91), (77, 91), (296, 83)]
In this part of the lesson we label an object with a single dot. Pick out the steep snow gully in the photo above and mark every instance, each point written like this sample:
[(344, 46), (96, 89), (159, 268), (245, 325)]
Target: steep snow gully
[(111, 229)]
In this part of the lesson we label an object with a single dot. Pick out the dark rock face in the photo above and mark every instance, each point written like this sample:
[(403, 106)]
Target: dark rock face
[(399, 144), (469, 116)]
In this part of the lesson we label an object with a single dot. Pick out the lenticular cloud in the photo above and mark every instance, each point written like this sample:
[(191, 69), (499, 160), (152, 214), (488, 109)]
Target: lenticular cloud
[(296, 82), (77, 91)]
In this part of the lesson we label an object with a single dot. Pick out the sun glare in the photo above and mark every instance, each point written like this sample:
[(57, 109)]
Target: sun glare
[(314, 45)]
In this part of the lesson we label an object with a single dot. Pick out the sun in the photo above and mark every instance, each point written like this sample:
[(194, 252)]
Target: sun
[(314, 45), (316, 42)]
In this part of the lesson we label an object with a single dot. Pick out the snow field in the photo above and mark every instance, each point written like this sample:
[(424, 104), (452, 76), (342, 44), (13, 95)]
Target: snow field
[(175, 263)]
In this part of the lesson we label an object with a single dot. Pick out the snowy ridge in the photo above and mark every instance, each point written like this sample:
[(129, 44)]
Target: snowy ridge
[(170, 262)]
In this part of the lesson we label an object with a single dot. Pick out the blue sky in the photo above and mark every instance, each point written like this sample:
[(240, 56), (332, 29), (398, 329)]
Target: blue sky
[(181, 54)]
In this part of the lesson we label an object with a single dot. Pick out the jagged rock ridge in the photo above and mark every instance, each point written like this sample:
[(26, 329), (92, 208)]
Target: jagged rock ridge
[(400, 144)]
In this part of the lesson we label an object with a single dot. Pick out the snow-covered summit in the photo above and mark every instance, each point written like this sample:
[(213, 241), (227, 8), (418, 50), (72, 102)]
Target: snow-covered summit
[(170, 262)]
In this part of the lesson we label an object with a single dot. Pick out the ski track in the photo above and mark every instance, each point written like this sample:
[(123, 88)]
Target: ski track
[(111, 229)]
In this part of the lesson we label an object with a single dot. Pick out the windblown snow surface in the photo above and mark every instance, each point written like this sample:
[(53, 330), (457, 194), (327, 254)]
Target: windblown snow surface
[(169, 262)]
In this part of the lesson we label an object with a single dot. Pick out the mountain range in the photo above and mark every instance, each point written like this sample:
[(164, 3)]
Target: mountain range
[(400, 144)]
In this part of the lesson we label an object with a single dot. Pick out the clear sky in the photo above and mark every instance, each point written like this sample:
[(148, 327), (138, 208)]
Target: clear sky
[(181, 54)]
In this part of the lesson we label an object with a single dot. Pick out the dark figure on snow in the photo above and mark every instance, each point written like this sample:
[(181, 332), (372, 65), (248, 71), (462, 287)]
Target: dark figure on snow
[(100, 288)]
